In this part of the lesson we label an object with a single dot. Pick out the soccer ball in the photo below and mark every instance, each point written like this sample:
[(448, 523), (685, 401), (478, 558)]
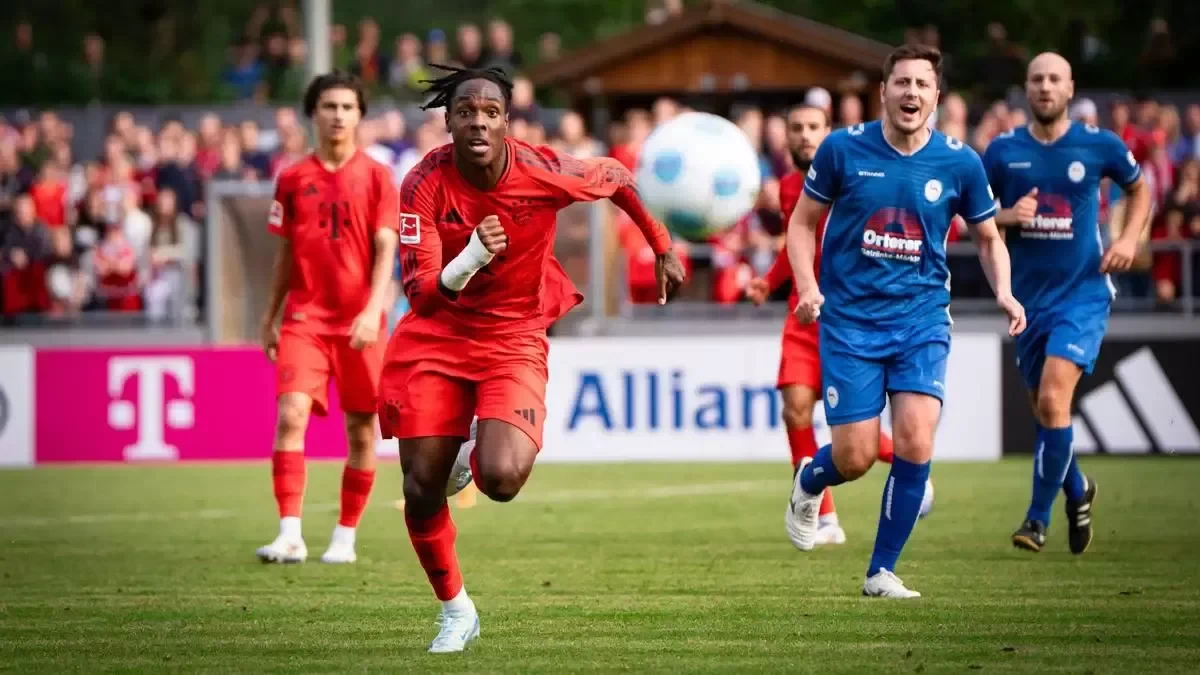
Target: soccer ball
[(927, 500), (699, 175)]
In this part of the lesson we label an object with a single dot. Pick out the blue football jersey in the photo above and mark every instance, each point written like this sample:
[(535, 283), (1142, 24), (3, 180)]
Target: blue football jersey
[(883, 254), (1056, 258)]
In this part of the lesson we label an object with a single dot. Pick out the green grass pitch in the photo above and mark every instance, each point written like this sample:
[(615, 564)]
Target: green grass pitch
[(641, 568)]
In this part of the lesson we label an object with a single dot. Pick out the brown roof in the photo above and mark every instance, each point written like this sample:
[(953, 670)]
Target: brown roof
[(791, 31)]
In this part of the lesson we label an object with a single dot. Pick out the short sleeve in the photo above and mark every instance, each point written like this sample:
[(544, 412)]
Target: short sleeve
[(992, 168), (823, 178), (1119, 162), (387, 209), (977, 202), (281, 215)]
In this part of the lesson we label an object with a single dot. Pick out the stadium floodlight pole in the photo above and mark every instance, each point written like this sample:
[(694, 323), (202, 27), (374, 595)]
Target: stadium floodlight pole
[(317, 17)]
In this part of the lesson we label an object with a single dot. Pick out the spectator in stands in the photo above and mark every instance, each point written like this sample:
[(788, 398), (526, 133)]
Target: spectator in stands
[(664, 109), (573, 138), (339, 47), (369, 64), (113, 266), (775, 145), (175, 173), (820, 97), (1179, 146), (392, 129), (1084, 110), (368, 139), (549, 47), (500, 50), (136, 224), (29, 67), (1167, 270), (269, 140), (850, 110), (65, 284), (295, 149), (436, 49), (174, 253), (276, 62), (92, 223), (524, 106), (12, 183), (24, 248), (90, 78), (232, 167), (470, 45), (407, 69), (627, 142), (208, 146), (295, 76), (49, 194), (252, 155), (244, 75), (428, 137)]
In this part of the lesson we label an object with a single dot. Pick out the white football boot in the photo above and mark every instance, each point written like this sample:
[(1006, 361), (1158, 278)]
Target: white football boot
[(830, 534), (801, 515), (456, 630), (460, 475), (884, 584), (285, 550), (341, 547)]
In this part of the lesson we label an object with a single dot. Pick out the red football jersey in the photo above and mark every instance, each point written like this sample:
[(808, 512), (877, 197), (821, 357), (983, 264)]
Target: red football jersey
[(523, 288), (331, 218), (790, 188)]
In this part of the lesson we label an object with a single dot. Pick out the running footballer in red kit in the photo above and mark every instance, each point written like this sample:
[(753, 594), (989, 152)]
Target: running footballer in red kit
[(477, 226), (800, 364), (337, 212)]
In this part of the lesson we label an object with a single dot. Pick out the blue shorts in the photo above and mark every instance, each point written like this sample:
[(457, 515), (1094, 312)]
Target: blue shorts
[(1073, 333), (859, 368)]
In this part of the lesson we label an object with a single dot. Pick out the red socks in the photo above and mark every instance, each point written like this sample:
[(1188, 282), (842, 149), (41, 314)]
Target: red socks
[(803, 443), (433, 540), (885, 447), (289, 475), (356, 489)]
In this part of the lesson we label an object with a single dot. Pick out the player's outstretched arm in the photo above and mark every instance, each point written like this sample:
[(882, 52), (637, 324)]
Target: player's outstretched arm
[(801, 248), (993, 255)]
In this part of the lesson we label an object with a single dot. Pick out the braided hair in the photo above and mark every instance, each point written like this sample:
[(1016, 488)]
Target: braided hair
[(443, 87)]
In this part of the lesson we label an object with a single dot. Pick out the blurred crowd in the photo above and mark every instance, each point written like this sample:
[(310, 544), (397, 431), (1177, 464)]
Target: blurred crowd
[(123, 232)]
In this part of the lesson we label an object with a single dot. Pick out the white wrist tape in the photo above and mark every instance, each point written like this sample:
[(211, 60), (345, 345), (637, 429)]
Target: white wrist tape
[(459, 271)]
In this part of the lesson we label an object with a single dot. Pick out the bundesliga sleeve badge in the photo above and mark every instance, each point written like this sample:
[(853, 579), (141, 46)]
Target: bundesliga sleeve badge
[(410, 228)]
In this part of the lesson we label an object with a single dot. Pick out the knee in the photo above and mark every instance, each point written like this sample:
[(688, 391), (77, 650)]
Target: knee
[(424, 494), (1053, 406), (913, 443), (501, 479), (292, 418), (797, 416), (856, 463)]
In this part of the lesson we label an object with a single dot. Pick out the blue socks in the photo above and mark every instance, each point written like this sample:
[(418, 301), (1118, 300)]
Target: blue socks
[(1075, 486), (1051, 462), (902, 495), (821, 473)]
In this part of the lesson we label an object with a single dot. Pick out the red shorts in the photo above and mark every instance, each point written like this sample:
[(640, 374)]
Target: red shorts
[(308, 359), (433, 385), (800, 359)]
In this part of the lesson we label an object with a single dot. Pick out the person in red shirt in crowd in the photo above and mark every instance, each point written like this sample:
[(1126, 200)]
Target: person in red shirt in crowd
[(116, 273), (800, 365), (336, 212), (24, 247), (476, 233), (49, 195)]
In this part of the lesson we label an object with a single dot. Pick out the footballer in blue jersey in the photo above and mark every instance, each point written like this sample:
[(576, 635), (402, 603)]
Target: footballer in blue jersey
[(883, 297), (1047, 177)]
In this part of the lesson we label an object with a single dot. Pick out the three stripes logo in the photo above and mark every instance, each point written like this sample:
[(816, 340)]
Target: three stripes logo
[(452, 218), (528, 414), (1138, 411)]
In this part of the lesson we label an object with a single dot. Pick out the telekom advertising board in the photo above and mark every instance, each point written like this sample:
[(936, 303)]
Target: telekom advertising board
[(163, 405)]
